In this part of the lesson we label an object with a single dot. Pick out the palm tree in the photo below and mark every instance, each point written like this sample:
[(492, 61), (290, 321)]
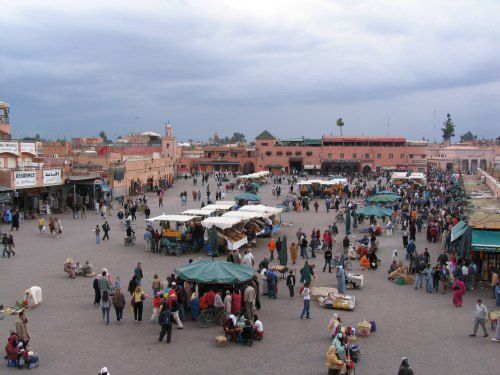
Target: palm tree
[(340, 124)]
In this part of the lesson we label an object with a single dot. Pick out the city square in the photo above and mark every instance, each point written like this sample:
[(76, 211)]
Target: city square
[(264, 187), (70, 336)]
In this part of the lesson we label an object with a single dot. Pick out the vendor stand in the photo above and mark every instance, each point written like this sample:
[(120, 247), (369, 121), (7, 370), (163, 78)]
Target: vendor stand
[(219, 208), (485, 245), (182, 229), (229, 231), (203, 213), (272, 216), (251, 220)]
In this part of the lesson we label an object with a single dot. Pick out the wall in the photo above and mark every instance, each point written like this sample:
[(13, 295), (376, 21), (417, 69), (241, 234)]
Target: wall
[(490, 182)]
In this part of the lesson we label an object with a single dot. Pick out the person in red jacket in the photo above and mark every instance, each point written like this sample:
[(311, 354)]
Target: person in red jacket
[(210, 298), (236, 302), (14, 349)]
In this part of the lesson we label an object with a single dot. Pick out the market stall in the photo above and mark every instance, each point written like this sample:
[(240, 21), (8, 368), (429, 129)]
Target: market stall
[(229, 231), (247, 198), (181, 229), (415, 178), (219, 208), (251, 220), (272, 216), (485, 245), (202, 213)]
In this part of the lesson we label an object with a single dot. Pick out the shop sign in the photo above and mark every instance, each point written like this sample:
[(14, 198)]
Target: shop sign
[(24, 179), (29, 148), (52, 177), (12, 147)]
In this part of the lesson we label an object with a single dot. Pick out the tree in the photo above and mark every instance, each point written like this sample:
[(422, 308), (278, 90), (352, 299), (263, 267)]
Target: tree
[(103, 135), (448, 128), (340, 124), (468, 137), (119, 137), (238, 138), (215, 140)]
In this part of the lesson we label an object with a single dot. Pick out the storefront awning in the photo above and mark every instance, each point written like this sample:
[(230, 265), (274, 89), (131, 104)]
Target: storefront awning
[(485, 240), (85, 177), (458, 230), (309, 166)]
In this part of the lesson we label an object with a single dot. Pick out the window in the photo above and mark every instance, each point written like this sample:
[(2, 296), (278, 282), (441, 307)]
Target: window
[(329, 155), (411, 156), (234, 154), (222, 155), (422, 156), (309, 153), (209, 155), (11, 162), (289, 153), (402, 156), (379, 156), (391, 156), (341, 155), (269, 153), (367, 156), (354, 156), (264, 144), (298, 153), (279, 153)]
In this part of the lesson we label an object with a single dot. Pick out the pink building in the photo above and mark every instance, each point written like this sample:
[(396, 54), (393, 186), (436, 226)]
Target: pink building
[(330, 154), (461, 157)]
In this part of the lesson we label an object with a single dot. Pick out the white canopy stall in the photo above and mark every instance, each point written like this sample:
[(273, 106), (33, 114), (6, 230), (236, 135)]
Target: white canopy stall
[(272, 216), (228, 229)]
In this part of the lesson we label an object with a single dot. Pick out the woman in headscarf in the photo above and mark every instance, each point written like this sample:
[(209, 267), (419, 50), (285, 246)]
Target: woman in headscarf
[(194, 304), (458, 292), (293, 252), (341, 280)]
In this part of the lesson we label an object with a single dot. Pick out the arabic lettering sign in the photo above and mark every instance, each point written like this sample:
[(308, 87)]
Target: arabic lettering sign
[(12, 147), (24, 179), (52, 177), (29, 148)]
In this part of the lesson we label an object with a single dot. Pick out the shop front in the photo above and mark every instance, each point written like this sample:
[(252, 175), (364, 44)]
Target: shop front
[(86, 190), (36, 191), (485, 245)]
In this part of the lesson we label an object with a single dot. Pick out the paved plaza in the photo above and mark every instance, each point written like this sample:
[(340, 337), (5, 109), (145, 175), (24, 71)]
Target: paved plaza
[(70, 337)]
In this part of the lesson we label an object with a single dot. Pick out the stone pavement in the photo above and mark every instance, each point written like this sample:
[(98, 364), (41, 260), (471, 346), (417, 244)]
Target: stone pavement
[(70, 337)]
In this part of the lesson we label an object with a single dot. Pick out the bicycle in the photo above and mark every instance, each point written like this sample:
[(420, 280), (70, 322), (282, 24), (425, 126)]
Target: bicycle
[(123, 226), (336, 263), (211, 315)]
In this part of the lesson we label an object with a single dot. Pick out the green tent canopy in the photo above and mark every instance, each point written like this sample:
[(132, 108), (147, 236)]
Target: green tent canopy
[(247, 197), (376, 211), (384, 198), (214, 272), (485, 240), (386, 192), (458, 230)]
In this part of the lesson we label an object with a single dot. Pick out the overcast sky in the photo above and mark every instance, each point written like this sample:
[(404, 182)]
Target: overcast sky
[(73, 68)]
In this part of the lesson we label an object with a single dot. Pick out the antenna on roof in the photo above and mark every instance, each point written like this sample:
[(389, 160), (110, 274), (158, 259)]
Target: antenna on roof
[(388, 125)]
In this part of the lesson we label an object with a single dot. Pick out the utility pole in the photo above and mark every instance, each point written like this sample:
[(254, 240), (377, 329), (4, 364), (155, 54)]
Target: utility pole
[(388, 125), (434, 124)]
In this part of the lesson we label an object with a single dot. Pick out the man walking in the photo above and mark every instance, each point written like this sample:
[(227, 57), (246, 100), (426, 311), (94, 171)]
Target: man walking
[(328, 260), (480, 316), (148, 239), (290, 282), (105, 229), (138, 273), (165, 320), (249, 298), (306, 297)]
